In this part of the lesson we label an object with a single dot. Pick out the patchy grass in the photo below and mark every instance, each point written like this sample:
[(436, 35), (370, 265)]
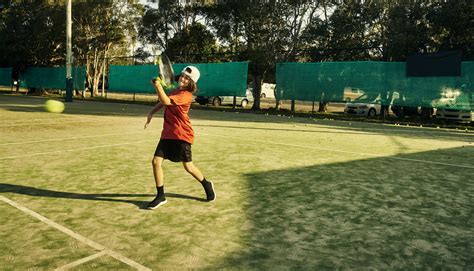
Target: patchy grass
[(292, 193)]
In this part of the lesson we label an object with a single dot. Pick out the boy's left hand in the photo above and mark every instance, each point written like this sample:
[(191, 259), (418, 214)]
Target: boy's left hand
[(159, 81), (148, 120)]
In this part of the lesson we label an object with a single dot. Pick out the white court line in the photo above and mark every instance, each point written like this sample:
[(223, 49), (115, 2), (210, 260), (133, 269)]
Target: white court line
[(68, 138), (79, 149), (89, 115), (75, 235), (33, 120), (365, 129), (254, 140), (49, 123), (81, 261), (57, 117), (348, 152)]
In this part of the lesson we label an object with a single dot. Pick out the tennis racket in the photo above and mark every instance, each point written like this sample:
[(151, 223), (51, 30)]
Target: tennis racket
[(165, 70)]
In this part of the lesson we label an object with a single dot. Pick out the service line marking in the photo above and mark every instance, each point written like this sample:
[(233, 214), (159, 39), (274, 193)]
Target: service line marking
[(81, 261), (50, 123), (254, 140), (348, 152), (79, 149), (69, 138), (77, 236)]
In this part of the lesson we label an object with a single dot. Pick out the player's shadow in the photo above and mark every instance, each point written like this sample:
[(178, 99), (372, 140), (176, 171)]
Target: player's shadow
[(38, 192)]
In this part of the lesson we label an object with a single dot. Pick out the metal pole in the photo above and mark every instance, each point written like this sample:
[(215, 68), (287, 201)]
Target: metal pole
[(69, 80)]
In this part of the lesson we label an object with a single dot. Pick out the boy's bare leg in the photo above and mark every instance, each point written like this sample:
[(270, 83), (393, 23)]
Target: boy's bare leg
[(207, 185), (157, 162), (160, 198), (193, 170)]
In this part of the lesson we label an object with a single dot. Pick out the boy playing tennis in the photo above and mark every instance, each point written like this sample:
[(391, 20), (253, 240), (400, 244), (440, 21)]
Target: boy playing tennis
[(177, 135)]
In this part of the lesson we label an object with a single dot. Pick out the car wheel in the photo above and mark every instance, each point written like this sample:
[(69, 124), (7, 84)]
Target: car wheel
[(244, 103), (216, 101), (263, 96), (372, 112)]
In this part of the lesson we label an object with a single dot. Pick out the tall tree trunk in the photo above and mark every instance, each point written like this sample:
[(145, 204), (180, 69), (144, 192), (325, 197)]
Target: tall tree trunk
[(104, 68), (323, 105), (277, 99), (257, 86), (95, 79), (89, 73)]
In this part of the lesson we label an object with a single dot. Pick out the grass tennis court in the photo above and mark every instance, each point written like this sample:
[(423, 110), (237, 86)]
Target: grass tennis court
[(292, 193)]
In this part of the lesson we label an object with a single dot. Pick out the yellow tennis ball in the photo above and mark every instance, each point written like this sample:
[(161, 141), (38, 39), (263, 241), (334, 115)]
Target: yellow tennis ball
[(54, 106)]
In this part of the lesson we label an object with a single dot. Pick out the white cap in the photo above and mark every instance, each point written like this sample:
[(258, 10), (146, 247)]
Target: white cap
[(192, 72)]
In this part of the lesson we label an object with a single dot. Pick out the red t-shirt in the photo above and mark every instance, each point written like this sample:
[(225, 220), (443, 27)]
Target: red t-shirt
[(176, 123)]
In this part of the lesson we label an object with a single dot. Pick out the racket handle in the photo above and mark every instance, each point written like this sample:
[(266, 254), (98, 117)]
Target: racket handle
[(163, 83)]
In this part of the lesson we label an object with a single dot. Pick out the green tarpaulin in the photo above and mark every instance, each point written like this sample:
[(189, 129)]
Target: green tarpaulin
[(331, 81)]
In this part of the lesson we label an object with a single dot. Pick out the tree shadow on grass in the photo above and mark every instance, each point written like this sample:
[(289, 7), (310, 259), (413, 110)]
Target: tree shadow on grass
[(380, 213), (38, 192)]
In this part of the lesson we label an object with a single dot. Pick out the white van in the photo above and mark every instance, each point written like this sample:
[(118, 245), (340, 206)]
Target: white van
[(267, 91)]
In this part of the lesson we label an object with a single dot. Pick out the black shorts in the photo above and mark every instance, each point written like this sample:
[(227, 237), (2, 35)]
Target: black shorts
[(174, 150)]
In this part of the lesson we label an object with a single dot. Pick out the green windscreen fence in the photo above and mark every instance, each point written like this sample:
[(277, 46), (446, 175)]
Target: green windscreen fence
[(52, 78), (5, 76), (385, 82), (132, 78), (229, 78)]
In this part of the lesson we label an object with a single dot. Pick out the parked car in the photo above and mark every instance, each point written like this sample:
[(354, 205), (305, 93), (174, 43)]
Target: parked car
[(367, 105), (226, 100), (447, 103), (455, 114)]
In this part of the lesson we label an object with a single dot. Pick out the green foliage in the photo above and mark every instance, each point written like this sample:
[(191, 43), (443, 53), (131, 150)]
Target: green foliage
[(158, 26), (97, 34), (406, 31), (192, 44), (32, 33), (228, 23), (452, 26), (262, 32)]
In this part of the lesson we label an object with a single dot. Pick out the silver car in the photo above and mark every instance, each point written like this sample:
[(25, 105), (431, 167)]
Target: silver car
[(242, 101), (364, 105)]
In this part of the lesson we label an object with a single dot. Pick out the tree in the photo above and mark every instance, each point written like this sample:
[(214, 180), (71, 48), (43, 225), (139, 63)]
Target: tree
[(227, 22), (158, 26), (406, 31), (263, 32), (32, 34), (193, 44), (297, 16), (97, 33), (452, 27)]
